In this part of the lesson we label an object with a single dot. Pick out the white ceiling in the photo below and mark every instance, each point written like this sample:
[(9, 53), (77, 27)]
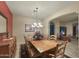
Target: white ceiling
[(72, 17), (25, 8), (69, 18)]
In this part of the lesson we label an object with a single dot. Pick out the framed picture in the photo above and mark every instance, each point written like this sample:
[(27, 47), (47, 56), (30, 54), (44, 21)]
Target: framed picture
[(29, 28), (3, 23)]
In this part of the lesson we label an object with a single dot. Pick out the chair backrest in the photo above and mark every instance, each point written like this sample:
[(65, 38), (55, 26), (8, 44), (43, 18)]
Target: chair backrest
[(26, 41), (53, 37), (61, 49), (29, 48)]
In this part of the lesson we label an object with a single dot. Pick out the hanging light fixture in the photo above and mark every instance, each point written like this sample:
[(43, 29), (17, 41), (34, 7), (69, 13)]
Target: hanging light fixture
[(37, 24)]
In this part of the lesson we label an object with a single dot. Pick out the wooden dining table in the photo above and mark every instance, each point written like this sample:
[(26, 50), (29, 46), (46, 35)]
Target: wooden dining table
[(43, 45)]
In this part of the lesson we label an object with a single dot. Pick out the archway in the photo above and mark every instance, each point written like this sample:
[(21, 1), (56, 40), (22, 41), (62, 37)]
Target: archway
[(68, 21)]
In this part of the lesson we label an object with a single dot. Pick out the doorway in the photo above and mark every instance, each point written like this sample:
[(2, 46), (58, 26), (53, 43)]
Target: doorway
[(63, 30), (52, 28), (75, 30)]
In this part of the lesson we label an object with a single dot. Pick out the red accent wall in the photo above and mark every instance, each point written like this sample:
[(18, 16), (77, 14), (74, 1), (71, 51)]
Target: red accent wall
[(6, 12)]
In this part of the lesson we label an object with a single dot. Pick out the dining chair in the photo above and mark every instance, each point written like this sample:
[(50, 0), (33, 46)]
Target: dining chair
[(53, 37), (27, 46), (30, 51), (46, 37), (26, 41), (59, 50)]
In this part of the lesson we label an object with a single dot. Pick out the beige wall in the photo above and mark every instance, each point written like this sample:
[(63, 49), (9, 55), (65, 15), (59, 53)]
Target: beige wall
[(57, 27), (19, 27), (69, 29)]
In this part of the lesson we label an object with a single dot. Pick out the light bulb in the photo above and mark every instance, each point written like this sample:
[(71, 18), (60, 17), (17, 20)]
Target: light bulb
[(40, 25), (33, 26)]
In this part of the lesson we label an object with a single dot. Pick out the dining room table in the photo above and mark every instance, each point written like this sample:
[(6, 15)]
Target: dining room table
[(43, 45)]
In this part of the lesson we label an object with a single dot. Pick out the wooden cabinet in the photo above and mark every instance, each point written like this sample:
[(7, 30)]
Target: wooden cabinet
[(8, 47)]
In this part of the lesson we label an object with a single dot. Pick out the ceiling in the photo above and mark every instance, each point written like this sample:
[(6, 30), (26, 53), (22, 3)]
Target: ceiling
[(72, 17), (46, 8), (69, 18)]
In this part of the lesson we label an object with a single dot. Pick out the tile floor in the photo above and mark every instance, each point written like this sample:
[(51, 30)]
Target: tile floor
[(72, 49)]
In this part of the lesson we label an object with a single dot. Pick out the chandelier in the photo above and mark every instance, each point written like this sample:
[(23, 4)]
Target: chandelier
[(36, 24)]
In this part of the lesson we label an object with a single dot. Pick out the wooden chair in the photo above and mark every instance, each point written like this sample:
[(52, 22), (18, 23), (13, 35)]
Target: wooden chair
[(59, 50), (26, 41), (46, 37), (29, 51), (67, 38), (53, 37), (32, 53)]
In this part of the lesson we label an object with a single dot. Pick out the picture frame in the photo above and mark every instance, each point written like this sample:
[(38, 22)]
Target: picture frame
[(29, 28), (3, 23)]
